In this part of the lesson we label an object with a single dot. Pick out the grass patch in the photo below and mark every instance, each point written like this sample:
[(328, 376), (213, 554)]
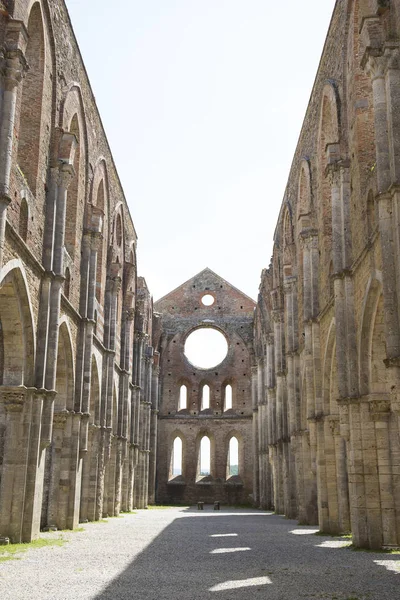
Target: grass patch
[(8, 552), (342, 536)]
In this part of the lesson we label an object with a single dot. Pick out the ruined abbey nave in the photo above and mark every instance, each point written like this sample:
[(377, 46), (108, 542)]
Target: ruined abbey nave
[(101, 410)]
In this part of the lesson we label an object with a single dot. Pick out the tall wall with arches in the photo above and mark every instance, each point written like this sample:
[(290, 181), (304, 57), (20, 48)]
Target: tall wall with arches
[(327, 334), (76, 359), (204, 447)]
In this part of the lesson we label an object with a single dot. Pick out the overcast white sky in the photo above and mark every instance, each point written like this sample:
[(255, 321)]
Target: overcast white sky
[(202, 102)]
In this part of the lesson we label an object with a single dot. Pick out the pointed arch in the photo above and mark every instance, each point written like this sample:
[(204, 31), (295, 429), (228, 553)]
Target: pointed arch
[(95, 395), (205, 456), (304, 194), (17, 326), (369, 312), (32, 98), (205, 452), (73, 121), (177, 455), (288, 243), (228, 396), (328, 153), (65, 377), (183, 397), (100, 199), (205, 396), (329, 405)]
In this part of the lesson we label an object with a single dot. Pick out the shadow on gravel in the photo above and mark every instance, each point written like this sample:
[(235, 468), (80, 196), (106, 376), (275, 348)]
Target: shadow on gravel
[(246, 555), (181, 563)]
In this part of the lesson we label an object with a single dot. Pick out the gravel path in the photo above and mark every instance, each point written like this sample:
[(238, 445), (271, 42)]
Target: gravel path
[(183, 554)]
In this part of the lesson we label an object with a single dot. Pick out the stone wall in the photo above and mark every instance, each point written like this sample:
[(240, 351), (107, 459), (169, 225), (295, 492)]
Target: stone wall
[(327, 323), (75, 331), (182, 312)]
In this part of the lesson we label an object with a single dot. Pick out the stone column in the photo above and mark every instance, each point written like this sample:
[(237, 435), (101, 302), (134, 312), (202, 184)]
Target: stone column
[(256, 447), (280, 468), (292, 362), (381, 60), (153, 427), (14, 70), (306, 439), (380, 412), (261, 432), (106, 416)]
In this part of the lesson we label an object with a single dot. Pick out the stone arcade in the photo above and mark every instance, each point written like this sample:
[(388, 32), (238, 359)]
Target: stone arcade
[(100, 410)]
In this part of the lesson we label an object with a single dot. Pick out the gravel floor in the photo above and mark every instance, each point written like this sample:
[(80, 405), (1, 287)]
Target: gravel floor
[(184, 554)]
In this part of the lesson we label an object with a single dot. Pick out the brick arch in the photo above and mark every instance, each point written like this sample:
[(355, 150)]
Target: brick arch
[(304, 194), (17, 326), (117, 234), (276, 268), (95, 394), (100, 198), (328, 150), (73, 121), (65, 376), (329, 404), (32, 98), (287, 242), (372, 316)]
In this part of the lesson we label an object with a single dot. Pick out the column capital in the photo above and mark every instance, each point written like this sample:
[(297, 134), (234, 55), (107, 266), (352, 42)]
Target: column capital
[(336, 166), (270, 339), (14, 68), (13, 398), (129, 314), (289, 284), (309, 238), (60, 418), (277, 315), (115, 284), (65, 175), (379, 408)]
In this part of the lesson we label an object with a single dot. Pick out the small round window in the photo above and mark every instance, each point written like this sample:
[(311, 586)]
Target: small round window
[(208, 300), (206, 347)]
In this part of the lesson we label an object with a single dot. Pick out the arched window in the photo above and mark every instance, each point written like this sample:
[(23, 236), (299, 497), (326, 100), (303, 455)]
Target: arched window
[(118, 230), (74, 198), (205, 457), (100, 253), (67, 282), (233, 457), (205, 397), (182, 397), (228, 397), (177, 457), (31, 101), (95, 323)]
